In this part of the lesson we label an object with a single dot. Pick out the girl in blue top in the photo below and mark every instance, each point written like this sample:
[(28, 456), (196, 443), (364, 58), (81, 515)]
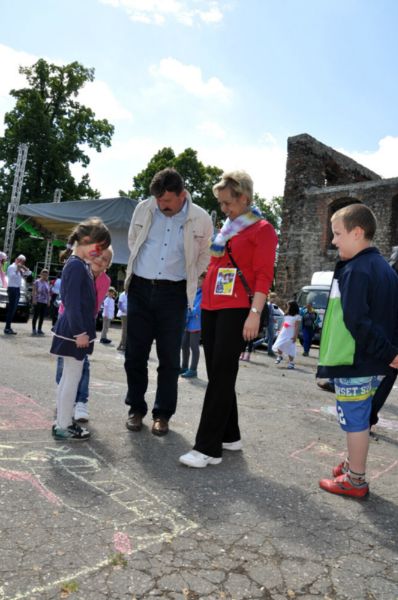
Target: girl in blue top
[(75, 329)]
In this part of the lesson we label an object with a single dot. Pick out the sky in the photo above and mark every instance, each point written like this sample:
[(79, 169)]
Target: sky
[(231, 79)]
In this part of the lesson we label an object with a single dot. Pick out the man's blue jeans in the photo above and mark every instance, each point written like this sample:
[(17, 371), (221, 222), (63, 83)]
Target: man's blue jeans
[(82, 390), (13, 299), (156, 311)]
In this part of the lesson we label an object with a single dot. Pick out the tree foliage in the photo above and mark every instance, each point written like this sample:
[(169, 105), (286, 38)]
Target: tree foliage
[(58, 130), (199, 179), (271, 209)]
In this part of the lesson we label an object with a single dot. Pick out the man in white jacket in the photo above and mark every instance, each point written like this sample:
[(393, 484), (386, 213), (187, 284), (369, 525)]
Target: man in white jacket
[(169, 249)]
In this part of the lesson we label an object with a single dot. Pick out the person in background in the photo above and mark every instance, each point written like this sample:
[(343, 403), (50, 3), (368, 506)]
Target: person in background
[(40, 300), (55, 298), (286, 340), (74, 332), (15, 272), (121, 276), (108, 313), (271, 324), (169, 248), (122, 315), (3, 278), (191, 337), (309, 321), (235, 288)]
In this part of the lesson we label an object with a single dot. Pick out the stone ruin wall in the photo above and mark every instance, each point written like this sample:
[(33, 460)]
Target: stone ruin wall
[(320, 180)]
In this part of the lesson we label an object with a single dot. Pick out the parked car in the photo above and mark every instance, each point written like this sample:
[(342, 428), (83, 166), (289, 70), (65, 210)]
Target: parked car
[(23, 309), (277, 316)]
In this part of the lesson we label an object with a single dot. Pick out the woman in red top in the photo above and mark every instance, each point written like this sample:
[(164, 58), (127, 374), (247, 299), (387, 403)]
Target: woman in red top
[(231, 312)]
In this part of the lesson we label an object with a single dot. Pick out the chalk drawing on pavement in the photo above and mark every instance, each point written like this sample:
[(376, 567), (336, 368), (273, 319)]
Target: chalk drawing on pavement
[(19, 412), (319, 453), (114, 509)]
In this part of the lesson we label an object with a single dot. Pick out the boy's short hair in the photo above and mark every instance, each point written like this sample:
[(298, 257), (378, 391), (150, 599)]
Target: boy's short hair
[(357, 215)]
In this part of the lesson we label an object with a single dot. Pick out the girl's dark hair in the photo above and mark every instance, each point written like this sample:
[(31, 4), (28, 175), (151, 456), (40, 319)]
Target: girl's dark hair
[(94, 229), (292, 308)]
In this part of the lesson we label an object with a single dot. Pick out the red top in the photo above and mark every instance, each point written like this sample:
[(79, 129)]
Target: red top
[(253, 250)]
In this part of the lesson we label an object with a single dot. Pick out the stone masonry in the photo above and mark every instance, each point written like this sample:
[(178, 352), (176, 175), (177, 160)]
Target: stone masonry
[(318, 182)]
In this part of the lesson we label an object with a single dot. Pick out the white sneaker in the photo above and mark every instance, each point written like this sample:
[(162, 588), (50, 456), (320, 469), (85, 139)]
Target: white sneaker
[(232, 445), (81, 412), (198, 460), (291, 365), (279, 360)]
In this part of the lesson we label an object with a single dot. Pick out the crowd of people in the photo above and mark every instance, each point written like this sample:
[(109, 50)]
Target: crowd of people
[(186, 283)]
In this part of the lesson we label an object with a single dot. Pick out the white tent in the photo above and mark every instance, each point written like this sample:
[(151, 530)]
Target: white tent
[(59, 218)]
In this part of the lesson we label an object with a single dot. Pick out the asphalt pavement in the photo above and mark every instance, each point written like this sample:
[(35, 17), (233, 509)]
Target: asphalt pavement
[(119, 518)]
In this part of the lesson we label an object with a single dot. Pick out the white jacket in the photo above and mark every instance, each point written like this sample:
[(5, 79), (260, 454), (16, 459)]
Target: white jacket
[(198, 229)]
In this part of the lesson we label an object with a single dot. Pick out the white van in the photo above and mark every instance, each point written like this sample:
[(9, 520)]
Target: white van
[(316, 293)]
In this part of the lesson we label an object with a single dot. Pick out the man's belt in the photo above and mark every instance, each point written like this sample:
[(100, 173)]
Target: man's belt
[(159, 282)]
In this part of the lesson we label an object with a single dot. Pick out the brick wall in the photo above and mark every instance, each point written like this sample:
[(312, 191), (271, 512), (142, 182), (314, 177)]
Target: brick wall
[(320, 180)]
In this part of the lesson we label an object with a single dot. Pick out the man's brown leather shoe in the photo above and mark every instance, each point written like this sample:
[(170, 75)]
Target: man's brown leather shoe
[(160, 426), (134, 422)]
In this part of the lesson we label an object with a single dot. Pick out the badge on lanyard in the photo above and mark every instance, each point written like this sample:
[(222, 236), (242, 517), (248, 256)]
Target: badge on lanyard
[(225, 281)]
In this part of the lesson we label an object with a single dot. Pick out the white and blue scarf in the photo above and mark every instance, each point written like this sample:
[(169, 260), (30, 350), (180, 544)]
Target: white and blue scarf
[(231, 228)]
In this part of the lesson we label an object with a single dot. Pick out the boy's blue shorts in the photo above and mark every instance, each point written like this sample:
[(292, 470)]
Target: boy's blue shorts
[(354, 401)]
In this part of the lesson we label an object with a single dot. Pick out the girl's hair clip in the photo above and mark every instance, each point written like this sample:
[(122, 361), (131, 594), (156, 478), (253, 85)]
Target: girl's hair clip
[(69, 246)]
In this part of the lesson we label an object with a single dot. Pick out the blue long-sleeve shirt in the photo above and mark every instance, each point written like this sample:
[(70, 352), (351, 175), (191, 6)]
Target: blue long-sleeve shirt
[(193, 314)]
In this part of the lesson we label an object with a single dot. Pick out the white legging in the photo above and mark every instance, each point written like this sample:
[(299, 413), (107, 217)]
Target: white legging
[(67, 389)]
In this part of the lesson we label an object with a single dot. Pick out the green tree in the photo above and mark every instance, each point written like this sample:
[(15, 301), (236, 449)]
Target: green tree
[(58, 130), (271, 209), (199, 179)]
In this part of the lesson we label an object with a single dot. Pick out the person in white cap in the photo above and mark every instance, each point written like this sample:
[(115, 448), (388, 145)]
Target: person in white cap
[(15, 272)]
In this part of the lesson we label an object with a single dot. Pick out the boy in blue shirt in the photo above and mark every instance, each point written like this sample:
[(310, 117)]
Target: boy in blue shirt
[(359, 344)]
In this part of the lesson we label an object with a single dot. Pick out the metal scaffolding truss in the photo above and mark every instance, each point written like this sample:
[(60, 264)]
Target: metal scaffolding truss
[(49, 247), (15, 199)]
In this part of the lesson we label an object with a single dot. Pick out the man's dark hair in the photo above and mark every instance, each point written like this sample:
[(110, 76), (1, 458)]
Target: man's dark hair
[(166, 180)]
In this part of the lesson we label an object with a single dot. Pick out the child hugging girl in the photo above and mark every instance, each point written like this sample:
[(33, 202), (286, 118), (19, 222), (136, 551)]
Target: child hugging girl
[(74, 332), (286, 340)]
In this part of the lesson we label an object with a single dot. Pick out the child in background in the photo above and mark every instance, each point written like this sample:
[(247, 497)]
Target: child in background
[(74, 332), (40, 299), (122, 315), (286, 340), (359, 344), (309, 322), (108, 313), (191, 336), (55, 298)]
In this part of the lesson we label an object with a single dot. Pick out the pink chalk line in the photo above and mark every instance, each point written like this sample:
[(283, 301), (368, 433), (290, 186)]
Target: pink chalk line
[(24, 476), (19, 412)]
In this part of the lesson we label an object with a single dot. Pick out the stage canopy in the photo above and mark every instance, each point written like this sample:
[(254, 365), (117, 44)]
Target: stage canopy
[(59, 218)]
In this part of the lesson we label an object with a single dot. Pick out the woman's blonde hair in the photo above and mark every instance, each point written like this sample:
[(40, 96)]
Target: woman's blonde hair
[(238, 182)]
